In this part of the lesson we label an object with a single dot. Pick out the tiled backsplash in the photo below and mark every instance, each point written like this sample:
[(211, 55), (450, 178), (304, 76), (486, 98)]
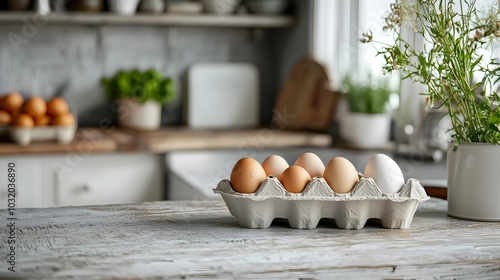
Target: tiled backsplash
[(74, 58)]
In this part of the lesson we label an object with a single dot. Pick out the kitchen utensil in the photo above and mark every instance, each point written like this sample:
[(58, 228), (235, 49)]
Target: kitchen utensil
[(86, 5), (220, 7), (42, 6), (18, 5), (306, 101), (152, 6), (123, 7), (223, 95), (184, 7)]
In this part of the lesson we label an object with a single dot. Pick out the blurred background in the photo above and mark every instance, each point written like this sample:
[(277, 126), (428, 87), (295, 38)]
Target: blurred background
[(228, 68)]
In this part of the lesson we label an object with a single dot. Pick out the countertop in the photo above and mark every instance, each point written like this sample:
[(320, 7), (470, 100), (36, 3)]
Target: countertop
[(108, 140), (200, 239)]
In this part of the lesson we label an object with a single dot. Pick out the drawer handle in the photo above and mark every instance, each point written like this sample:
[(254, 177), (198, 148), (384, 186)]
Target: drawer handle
[(84, 189)]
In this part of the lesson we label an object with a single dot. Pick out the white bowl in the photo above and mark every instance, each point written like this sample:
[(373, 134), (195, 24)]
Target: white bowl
[(220, 7), (123, 7)]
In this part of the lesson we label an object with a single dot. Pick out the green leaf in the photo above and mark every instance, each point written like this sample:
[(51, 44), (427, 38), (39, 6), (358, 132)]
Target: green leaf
[(142, 85)]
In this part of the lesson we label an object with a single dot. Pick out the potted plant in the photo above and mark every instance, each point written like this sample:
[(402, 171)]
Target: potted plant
[(460, 76), (367, 124), (139, 95)]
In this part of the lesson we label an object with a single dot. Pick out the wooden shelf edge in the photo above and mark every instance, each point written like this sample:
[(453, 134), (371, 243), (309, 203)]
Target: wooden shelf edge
[(207, 20)]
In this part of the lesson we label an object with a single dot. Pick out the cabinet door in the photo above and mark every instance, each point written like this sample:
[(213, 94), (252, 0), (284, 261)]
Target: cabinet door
[(105, 179), (27, 172)]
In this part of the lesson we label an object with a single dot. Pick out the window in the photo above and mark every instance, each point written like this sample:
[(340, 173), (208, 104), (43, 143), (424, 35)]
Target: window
[(338, 25)]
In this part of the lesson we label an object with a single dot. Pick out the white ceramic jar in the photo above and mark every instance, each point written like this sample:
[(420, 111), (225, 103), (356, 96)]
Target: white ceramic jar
[(141, 116), (474, 182), (123, 7)]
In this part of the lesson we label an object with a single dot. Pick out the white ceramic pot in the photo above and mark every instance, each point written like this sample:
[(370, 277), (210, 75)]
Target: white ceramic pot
[(152, 6), (365, 130), (474, 182), (123, 7), (220, 7), (141, 116)]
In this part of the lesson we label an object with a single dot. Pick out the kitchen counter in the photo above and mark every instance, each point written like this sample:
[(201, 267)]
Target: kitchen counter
[(200, 239), (100, 140)]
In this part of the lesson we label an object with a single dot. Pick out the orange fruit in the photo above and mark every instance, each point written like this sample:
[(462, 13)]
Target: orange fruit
[(35, 107), (64, 119), (24, 120), (57, 106)]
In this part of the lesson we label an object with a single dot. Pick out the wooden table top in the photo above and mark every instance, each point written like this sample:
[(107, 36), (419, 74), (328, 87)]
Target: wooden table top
[(200, 239)]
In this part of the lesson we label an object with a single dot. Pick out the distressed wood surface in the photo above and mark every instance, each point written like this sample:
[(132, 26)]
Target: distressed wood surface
[(200, 239)]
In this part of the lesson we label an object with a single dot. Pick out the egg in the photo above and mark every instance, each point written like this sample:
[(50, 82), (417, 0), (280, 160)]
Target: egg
[(274, 165), (43, 120), (311, 163), (385, 172), (63, 119), (5, 117), (35, 107), (12, 102), (24, 120), (247, 175), (295, 179), (340, 175), (57, 106)]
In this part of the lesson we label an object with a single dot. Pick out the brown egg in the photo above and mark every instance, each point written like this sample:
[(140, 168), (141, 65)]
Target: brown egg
[(43, 120), (12, 102), (295, 179), (57, 106), (5, 117), (63, 119), (341, 175), (247, 175), (24, 120), (35, 107), (274, 166)]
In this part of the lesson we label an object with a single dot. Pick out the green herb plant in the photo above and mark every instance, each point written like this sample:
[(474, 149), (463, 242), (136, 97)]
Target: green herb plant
[(371, 97), (141, 85), (455, 64)]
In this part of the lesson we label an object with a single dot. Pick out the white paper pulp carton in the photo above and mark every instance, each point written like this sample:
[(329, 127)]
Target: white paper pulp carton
[(304, 210), (26, 135)]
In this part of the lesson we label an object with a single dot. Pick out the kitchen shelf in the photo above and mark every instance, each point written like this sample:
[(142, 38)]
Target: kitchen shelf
[(207, 20)]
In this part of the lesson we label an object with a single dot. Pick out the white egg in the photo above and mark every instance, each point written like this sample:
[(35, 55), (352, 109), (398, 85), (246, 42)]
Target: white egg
[(311, 163), (386, 173), (274, 165)]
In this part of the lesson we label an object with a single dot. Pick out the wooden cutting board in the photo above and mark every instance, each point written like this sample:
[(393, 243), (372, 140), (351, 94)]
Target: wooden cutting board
[(306, 101)]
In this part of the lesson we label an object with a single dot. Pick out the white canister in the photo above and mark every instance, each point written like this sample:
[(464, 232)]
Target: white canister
[(123, 7)]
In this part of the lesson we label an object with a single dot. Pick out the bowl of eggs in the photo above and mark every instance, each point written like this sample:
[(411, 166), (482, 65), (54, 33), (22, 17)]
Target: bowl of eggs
[(309, 191), (36, 119)]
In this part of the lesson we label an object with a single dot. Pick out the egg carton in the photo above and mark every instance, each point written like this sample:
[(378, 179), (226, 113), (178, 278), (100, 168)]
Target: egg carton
[(25, 135), (4, 129), (304, 210)]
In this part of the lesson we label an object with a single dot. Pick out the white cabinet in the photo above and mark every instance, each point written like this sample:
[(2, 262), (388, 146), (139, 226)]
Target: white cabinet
[(28, 176), (72, 179), (104, 179)]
